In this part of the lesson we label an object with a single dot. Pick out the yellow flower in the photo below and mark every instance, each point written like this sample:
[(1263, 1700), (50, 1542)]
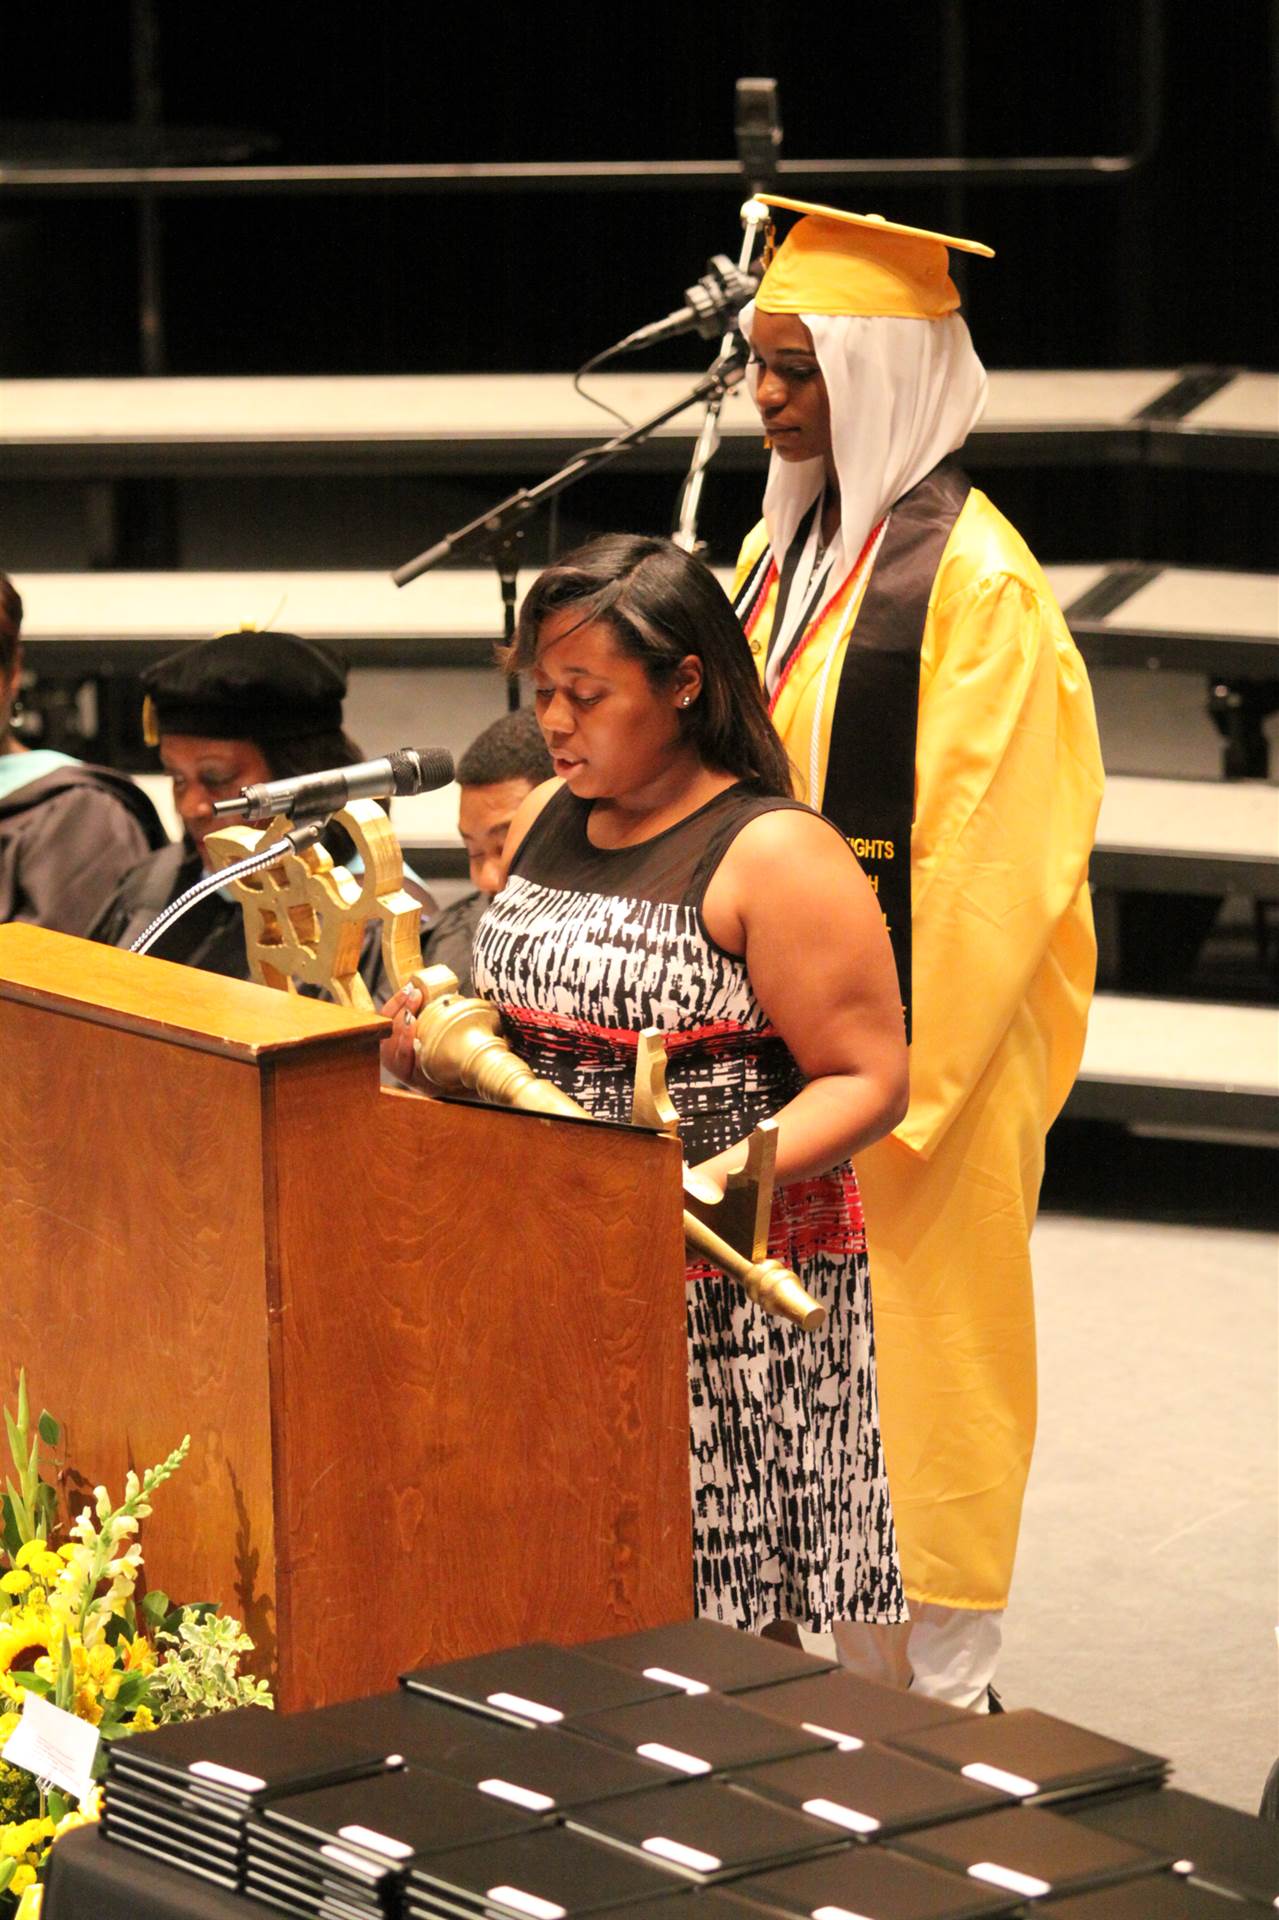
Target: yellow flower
[(31, 1904), (143, 1720), (37, 1557), (25, 1632), (88, 1706), (25, 1877), (8, 1721), (136, 1656), (16, 1582), (81, 1816), (101, 1662), (24, 1836)]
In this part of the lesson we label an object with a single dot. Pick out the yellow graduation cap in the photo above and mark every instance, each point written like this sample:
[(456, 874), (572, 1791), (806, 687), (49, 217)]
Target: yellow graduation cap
[(836, 262)]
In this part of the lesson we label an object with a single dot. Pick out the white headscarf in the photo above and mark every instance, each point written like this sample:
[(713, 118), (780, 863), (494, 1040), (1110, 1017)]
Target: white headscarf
[(903, 394)]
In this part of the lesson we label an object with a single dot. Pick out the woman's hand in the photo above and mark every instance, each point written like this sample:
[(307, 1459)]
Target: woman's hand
[(398, 1057)]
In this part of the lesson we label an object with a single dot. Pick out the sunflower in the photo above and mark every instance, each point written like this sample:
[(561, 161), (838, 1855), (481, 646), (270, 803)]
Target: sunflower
[(26, 1634)]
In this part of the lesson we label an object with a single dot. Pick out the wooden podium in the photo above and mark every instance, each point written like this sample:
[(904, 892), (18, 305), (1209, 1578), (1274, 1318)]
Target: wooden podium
[(431, 1356)]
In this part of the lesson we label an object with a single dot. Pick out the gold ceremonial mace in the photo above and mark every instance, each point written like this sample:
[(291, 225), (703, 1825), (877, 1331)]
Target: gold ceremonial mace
[(460, 1047), (304, 921)]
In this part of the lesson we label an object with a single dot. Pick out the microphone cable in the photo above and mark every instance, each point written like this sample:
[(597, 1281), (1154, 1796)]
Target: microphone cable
[(296, 841)]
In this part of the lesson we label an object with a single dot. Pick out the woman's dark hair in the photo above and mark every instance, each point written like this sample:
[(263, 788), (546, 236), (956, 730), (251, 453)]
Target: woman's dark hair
[(10, 623), (661, 604)]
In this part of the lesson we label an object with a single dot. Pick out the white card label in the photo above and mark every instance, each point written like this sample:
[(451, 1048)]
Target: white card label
[(681, 1680), (988, 1776), (682, 1855), (226, 1776), (672, 1757), (1009, 1878), (846, 1742), (530, 1903), (376, 1842), (54, 1745), (842, 1816), (517, 1795), (528, 1709)]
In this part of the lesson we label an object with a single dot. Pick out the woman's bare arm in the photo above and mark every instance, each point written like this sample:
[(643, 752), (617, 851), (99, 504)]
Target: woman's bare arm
[(791, 898)]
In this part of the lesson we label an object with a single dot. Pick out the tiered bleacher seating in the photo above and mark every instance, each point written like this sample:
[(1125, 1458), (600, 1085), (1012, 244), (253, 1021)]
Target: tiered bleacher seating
[(425, 423), (1149, 1061), (1121, 615)]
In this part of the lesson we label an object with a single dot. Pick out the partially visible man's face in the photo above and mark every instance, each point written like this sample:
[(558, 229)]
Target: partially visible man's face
[(483, 816), (203, 771)]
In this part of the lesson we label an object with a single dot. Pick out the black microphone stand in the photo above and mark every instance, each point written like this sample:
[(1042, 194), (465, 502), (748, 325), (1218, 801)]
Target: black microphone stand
[(497, 533)]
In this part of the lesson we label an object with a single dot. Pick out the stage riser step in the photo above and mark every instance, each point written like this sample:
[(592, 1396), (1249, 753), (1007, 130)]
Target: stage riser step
[(1187, 1065), (1221, 418), (1121, 613)]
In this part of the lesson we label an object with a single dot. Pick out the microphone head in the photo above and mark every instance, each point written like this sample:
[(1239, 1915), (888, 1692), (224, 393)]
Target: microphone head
[(432, 767)]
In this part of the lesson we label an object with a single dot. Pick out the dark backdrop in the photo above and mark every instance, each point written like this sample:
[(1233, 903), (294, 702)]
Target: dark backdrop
[(1174, 264), (1171, 265)]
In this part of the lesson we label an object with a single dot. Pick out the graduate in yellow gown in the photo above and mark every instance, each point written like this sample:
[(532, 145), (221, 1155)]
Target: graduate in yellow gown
[(935, 707)]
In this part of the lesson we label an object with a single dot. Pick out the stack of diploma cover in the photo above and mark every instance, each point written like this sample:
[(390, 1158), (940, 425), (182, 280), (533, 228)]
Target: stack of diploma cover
[(683, 1773), (700, 1656), (347, 1850), (535, 1686), (549, 1875), (705, 1831), (185, 1792)]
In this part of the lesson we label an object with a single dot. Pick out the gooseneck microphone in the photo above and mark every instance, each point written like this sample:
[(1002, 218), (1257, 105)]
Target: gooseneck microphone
[(306, 795), (713, 304)]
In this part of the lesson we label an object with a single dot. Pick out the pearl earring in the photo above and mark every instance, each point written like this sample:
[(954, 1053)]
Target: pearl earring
[(687, 700)]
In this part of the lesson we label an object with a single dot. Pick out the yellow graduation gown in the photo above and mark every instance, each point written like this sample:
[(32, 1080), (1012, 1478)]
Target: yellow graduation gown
[(1008, 781)]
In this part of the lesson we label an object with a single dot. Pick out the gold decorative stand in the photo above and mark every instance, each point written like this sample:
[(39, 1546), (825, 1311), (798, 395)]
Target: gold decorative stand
[(304, 917)]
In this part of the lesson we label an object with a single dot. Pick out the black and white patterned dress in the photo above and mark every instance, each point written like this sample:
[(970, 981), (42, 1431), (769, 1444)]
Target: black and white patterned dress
[(583, 948)]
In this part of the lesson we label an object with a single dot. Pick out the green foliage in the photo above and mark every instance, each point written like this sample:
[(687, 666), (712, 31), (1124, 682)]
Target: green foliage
[(199, 1672), (30, 1507)]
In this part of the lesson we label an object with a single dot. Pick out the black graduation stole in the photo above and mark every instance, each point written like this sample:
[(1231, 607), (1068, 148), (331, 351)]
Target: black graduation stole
[(870, 777)]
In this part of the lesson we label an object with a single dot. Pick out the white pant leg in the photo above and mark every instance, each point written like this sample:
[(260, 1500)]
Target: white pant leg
[(949, 1653), (954, 1652), (874, 1651)]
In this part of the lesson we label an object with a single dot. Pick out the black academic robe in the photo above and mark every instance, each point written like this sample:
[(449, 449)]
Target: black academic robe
[(66, 841), (209, 935)]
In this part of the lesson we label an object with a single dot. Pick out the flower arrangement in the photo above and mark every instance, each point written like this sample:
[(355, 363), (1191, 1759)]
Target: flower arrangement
[(74, 1629)]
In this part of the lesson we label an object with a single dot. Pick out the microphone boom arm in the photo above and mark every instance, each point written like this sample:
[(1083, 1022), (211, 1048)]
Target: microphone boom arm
[(754, 216), (505, 521)]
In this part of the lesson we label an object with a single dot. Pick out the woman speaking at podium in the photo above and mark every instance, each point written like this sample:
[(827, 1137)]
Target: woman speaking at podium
[(666, 878)]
